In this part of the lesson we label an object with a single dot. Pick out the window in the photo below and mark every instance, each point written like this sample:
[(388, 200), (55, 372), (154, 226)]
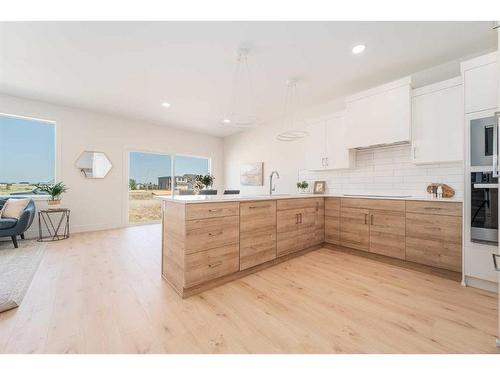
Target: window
[(27, 154), (186, 169), (149, 176), (152, 174)]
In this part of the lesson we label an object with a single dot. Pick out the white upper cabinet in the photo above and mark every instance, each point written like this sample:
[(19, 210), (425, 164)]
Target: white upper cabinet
[(481, 76), (325, 147), (315, 146), (380, 115), (437, 122), (338, 156)]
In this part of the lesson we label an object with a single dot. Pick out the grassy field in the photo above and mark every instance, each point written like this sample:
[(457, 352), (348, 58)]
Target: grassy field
[(14, 188), (143, 207)]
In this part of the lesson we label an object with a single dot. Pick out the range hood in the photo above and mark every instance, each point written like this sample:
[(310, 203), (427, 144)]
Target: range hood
[(380, 145)]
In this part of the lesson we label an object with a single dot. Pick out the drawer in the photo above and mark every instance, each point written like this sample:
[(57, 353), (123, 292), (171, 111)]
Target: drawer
[(435, 227), (257, 248), (294, 203), (374, 204), (434, 208), (210, 210), (209, 233), (210, 264), (332, 207), (257, 216)]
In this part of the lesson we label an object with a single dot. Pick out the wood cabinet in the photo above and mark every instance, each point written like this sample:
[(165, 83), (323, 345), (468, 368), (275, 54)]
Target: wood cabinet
[(434, 234), (380, 115), (374, 225), (297, 224), (437, 115), (354, 228), (387, 233), (206, 244), (332, 220), (319, 222), (257, 233), (481, 77), (325, 148)]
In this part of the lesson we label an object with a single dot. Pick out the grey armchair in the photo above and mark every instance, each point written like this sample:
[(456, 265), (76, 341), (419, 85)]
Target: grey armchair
[(17, 227)]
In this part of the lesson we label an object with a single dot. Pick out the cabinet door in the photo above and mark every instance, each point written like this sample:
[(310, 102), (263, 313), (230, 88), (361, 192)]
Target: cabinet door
[(378, 118), (435, 240), (338, 156), (354, 228), (332, 220), (287, 220), (481, 88), (437, 126), (257, 233), (387, 233), (319, 223), (311, 226), (315, 144)]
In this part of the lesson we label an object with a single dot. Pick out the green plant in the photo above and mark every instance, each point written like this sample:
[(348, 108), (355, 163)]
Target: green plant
[(132, 184), (54, 190), (302, 185), (202, 181)]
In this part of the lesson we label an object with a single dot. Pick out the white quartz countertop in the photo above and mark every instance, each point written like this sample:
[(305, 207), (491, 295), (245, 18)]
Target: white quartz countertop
[(238, 198)]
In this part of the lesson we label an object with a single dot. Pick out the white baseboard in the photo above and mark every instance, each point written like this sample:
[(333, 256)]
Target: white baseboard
[(32, 233), (481, 284)]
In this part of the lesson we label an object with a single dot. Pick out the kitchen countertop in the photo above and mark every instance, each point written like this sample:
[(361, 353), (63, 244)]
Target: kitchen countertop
[(191, 199)]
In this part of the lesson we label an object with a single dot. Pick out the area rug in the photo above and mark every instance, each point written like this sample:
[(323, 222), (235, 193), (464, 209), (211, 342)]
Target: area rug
[(17, 268)]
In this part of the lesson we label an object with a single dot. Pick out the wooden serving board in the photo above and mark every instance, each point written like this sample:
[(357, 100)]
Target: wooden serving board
[(448, 191)]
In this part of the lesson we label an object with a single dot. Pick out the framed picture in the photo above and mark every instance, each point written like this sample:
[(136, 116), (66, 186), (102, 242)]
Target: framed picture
[(251, 174), (319, 187)]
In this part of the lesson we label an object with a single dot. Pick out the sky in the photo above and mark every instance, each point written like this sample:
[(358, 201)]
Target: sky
[(145, 167), (27, 150)]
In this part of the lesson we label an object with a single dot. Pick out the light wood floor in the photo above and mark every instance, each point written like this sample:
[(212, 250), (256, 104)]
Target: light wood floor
[(101, 292)]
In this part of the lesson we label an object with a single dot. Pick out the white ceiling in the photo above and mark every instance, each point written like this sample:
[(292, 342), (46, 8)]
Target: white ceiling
[(130, 68)]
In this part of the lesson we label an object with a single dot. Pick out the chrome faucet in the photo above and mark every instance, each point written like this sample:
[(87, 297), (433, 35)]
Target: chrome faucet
[(271, 187)]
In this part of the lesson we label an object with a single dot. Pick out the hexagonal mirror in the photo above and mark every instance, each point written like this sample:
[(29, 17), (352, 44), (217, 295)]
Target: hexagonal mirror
[(94, 164)]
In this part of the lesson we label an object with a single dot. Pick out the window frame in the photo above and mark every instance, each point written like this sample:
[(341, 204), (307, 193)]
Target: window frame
[(57, 150)]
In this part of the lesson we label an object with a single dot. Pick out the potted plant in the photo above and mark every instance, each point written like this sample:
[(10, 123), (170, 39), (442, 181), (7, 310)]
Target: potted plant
[(302, 186), (203, 181), (54, 190)]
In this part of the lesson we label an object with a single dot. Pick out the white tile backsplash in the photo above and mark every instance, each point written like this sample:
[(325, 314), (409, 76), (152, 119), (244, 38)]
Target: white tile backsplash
[(389, 170)]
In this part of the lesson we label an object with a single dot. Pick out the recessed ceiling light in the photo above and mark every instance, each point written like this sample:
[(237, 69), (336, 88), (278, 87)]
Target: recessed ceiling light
[(226, 121), (165, 104), (358, 49)]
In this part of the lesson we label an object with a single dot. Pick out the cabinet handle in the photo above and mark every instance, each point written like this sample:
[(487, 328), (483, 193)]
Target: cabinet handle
[(366, 219), (216, 264), (214, 209), (414, 152), (371, 219), (214, 234), (300, 216), (326, 162), (259, 206), (296, 218)]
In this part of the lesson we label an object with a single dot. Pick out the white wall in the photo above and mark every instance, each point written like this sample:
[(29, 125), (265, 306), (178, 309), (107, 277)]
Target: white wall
[(260, 144), (389, 171), (101, 203)]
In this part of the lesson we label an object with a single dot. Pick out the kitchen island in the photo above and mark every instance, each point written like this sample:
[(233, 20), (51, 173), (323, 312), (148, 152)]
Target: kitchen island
[(210, 240)]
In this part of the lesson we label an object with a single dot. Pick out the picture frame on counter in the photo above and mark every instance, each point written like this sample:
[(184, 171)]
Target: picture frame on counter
[(319, 187)]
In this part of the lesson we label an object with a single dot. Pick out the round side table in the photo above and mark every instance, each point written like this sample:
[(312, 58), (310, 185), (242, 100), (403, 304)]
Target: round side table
[(56, 223)]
